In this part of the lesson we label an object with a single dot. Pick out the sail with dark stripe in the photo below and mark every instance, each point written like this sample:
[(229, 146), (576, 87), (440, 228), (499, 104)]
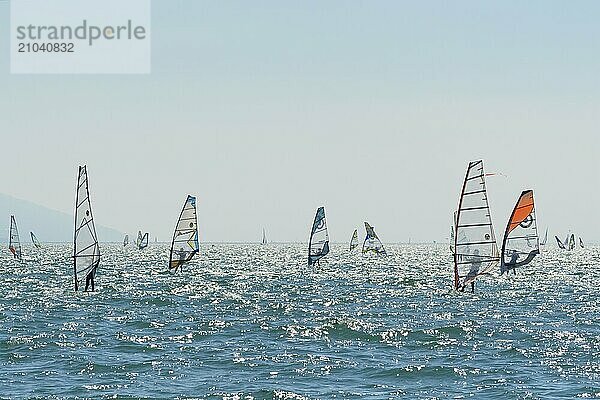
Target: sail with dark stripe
[(184, 245), (476, 250), (521, 242), (14, 244), (354, 240), (143, 242), (86, 252), (318, 244), (372, 242), (35, 240)]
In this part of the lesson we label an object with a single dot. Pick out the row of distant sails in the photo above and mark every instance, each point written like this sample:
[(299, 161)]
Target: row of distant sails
[(318, 243)]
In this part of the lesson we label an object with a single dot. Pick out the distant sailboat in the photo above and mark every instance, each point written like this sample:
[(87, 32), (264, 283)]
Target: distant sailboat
[(318, 244), (560, 244), (521, 241), (581, 243), (372, 242), (185, 238), (354, 240), (545, 239), (571, 242), (476, 250), (126, 240), (14, 244), (139, 239), (86, 252), (143, 242), (264, 237), (35, 240)]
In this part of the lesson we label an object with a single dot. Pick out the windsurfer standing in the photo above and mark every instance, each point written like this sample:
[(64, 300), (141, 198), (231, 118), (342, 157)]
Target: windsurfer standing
[(475, 266)]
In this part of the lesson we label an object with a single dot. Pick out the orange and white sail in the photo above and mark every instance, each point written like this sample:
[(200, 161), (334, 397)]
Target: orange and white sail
[(521, 241)]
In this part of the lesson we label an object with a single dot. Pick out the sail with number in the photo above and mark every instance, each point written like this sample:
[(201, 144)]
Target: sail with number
[(185, 238), (372, 242), (143, 242), (86, 252), (35, 240), (476, 251), (14, 244), (126, 240), (318, 244), (521, 242), (354, 240)]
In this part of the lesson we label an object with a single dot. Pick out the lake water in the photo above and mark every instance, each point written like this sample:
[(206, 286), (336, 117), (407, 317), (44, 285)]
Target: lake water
[(254, 322)]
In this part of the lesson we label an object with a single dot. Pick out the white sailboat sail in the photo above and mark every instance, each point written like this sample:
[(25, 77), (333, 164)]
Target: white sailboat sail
[(521, 241), (126, 240), (35, 240), (86, 252), (14, 244), (318, 244), (354, 240), (372, 242), (185, 238), (545, 239), (476, 251), (143, 242)]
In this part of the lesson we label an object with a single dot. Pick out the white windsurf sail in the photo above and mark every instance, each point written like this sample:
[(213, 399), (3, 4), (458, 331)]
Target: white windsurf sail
[(264, 237), (476, 251), (372, 242), (86, 252), (185, 238), (35, 240), (581, 243), (318, 244), (521, 241), (560, 244), (143, 242), (354, 240), (14, 244), (125, 240), (139, 239)]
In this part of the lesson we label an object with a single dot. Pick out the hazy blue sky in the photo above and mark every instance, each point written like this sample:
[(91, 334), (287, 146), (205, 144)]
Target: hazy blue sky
[(266, 110)]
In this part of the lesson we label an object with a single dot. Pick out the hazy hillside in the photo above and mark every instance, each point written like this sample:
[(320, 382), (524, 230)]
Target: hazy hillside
[(48, 225)]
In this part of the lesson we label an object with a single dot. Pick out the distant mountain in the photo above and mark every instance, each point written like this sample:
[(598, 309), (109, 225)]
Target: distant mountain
[(47, 224)]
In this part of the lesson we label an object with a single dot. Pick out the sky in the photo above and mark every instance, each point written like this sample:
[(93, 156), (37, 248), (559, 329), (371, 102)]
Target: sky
[(267, 110)]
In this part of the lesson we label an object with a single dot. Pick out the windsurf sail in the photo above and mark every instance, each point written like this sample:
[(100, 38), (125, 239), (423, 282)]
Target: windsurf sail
[(560, 244), (86, 252), (185, 238), (139, 239), (126, 240), (354, 240), (14, 244), (35, 240), (521, 241), (545, 239), (143, 242), (476, 251), (571, 245), (372, 242), (581, 243), (264, 237), (318, 244)]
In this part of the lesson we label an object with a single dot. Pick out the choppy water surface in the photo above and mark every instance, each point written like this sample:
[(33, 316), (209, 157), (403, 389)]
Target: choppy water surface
[(251, 321)]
